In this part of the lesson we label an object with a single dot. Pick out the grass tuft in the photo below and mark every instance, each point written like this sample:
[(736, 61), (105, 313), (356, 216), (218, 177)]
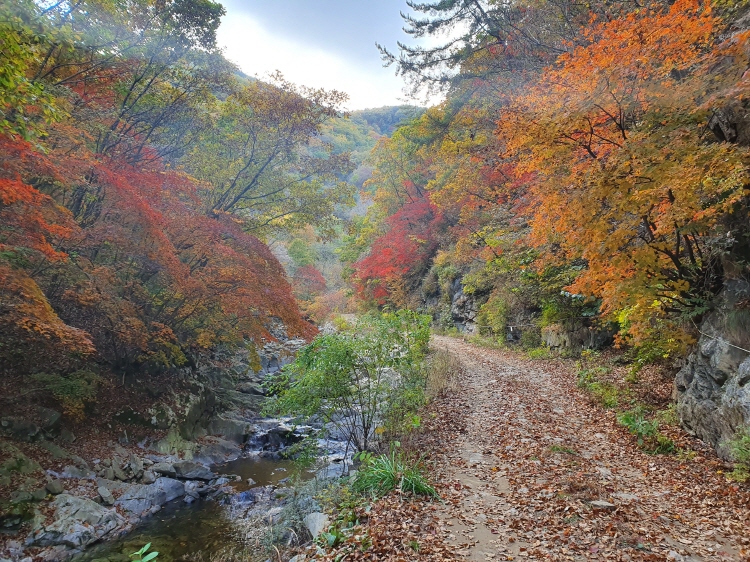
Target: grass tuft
[(381, 474)]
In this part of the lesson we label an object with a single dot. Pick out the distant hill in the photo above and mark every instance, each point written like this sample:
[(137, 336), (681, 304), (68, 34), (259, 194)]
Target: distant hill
[(359, 133), (384, 120)]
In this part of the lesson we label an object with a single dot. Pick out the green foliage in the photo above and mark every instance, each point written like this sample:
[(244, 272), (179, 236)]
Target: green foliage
[(604, 392), (385, 120), (378, 475), (531, 337), (646, 432), (73, 390), (493, 315), (304, 453), (739, 446), (540, 353), (357, 379), (443, 322), (341, 324), (668, 416), (338, 497), (26, 106), (142, 556), (657, 345), (301, 253)]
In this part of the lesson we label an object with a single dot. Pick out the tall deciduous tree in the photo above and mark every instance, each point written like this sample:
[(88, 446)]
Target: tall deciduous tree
[(255, 160)]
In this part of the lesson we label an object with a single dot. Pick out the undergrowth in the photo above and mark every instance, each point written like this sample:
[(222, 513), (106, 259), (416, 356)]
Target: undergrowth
[(739, 446), (605, 393), (73, 391), (610, 396), (646, 431), (379, 475)]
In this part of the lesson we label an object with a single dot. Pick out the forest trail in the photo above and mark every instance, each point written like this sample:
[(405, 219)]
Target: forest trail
[(529, 469)]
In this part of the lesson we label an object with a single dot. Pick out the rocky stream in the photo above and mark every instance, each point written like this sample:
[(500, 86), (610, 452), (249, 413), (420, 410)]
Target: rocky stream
[(217, 483)]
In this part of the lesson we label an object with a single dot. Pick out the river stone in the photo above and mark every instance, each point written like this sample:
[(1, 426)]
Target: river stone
[(71, 471), (164, 468), (148, 477), (172, 488), (118, 471), (232, 429), (20, 496), (251, 388), (106, 495), (22, 430), (55, 487), (39, 495), (139, 498), (113, 485), (316, 523), (333, 470), (56, 451), (189, 470), (67, 436), (78, 522), (136, 465), (193, 489), (214, 450)]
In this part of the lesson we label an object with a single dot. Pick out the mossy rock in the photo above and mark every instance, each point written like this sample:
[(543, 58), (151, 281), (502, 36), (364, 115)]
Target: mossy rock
[(17, 462), (175, 444), (13, 515)]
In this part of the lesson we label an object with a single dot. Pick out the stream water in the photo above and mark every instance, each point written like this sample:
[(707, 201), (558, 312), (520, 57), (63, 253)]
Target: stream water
[(204, 529)]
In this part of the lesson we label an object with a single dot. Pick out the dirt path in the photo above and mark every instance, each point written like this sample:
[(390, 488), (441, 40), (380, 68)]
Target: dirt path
[(531, 470)]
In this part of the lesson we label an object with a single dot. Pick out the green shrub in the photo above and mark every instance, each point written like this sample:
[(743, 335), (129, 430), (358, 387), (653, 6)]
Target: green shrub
[(540, 353), (603, 392), (492, 317), (739, 446), (531, 337), (143, 555), (444, 321), (668, 416), (646, 432), (73, 390), (359, 379), (378, 475)]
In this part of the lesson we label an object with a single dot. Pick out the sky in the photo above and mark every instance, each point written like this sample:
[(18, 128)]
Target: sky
[(319, 43)]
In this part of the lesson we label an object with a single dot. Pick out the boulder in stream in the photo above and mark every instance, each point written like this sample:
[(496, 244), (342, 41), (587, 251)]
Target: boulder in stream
[(189, 470), (78, 522)]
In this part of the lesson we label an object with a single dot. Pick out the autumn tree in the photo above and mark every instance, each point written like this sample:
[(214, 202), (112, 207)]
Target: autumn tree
[(109, 251), (256, 164), (625, 177)]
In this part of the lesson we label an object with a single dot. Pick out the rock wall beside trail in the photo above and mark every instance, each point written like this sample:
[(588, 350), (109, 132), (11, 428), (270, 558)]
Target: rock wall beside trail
[(713, 388), (561, 338), (464, 309)]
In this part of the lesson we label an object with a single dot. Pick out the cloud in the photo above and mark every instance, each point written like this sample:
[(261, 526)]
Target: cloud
[(258, 52)]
